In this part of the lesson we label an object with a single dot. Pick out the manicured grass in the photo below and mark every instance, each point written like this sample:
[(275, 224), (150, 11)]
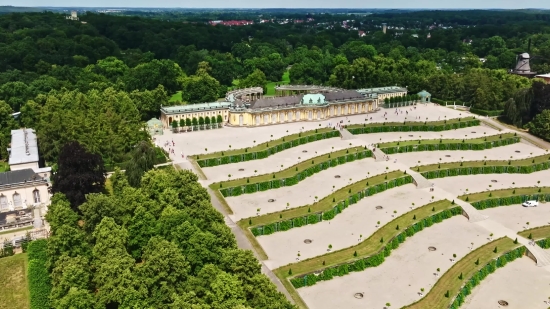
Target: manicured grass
[(288, 172), (443, 166), (541, 232), (261, 147), (480, 140), (480, 196), (411, 123), (14, 290), (324, 204), (467, 267), (17, 230), (176, 98), (271, 85)]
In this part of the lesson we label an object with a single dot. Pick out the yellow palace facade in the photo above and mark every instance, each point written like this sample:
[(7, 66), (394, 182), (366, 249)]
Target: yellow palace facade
[(292, 103)]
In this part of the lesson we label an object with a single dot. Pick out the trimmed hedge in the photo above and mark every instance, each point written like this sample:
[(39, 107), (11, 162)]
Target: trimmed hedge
[(299, 176), (488, 269), (38, 276), (376, 259), (486, 113), (415, 126), (288, 224), (506, 169), (451, 146), (544, 243), (510, 200), (248, 156)]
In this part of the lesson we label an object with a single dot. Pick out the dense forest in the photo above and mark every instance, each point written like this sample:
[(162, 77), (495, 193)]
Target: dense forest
[(121, 69)]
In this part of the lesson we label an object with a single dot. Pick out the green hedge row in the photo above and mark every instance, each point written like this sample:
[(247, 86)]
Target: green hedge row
[(413, 127), (511, 200), (510, 169), (486, 113), (290, 181), (37, 275), (451, 146), (285, 225), (377, 259), (267, 152), (488, 269), (544, 243)]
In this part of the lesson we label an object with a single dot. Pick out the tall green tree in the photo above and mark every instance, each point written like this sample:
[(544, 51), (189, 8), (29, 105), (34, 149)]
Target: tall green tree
[(143, 158)]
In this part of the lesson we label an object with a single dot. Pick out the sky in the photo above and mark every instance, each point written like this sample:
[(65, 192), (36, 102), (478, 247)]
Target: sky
[(430, 4)]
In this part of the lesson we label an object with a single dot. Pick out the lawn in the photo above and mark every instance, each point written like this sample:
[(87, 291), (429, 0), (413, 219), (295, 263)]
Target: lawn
[(14, 291), (476, 197), (324, 204), (271, 85), (368, 247), (176, 98), (537, 233), (289, 171), (480, 140), (451, 165), (465, 266), (261, 147), (412, 123)]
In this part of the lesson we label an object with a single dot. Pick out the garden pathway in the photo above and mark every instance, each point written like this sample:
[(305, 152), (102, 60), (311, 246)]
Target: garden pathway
[(525, 135), (346, 135)]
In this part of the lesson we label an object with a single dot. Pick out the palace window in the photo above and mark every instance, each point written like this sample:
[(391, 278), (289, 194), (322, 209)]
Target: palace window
[(17, 199), (36, 196), (3, 202)]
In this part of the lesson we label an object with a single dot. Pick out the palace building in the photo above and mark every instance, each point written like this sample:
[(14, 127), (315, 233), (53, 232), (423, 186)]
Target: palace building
[(291, 103)]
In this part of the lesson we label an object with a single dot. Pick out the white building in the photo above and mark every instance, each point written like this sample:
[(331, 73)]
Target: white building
[(23, 152)]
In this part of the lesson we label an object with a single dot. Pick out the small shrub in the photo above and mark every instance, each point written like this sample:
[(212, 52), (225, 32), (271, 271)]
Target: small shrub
[(309, 209), (249, 221), (496, 250), (530, 236), (516, 241), (290, 272), (355, 254), (477, 262), (433, 208), (382, 240), (460, 276), (414, 217), (397, 227)]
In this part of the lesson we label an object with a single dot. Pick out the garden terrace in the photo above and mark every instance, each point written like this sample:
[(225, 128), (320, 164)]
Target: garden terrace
[(449, 144), (14, 289), (408, 126), (449, 284), (326, 204), (370, 253), (505, 197), (291, 175), (537, 233), (529, 162), (265, 149)]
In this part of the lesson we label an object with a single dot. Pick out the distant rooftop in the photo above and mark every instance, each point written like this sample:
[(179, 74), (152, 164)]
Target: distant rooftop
[(392, 89), (24, 148), (547, 75), (195, 107)]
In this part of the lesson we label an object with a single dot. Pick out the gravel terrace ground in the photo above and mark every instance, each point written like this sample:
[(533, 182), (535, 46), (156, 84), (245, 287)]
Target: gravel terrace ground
[(499, 153), (529, 288), (515, 217), (344, 230), (478, 183), (408, 269), (303, 193)]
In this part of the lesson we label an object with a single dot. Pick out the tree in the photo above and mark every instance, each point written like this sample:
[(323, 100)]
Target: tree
[(188, 122), (540, 126), (254, 79), (219, 119), (79, 173), (194, 121), (207, 121), (201, 120), (149, 75), (182, 123), (7, 123), (174, 125), (143, 159), (200, 87)]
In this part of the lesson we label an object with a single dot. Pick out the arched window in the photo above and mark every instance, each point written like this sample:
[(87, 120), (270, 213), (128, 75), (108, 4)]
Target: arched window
[(17, 200), (3, 202), (36, 196)]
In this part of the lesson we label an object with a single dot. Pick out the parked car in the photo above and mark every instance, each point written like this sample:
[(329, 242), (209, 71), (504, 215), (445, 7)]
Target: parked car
[(530, 204)]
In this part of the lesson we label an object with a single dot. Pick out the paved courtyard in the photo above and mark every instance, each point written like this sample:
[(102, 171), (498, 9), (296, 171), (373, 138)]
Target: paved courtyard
[(409, 268)]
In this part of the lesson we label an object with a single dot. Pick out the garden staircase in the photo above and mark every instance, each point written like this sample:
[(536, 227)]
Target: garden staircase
[(346, 135), (379, 155), (421, 182), (541, 256)]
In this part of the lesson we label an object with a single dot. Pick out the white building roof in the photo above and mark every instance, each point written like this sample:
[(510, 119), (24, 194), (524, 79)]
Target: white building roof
[(547, 75), (24, 148)]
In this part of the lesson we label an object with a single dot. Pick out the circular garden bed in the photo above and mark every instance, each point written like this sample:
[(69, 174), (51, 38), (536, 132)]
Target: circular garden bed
[(358, 295), (379, 207), (503, 303), (431, 248), (308, 241), (337, 176), (271, 200)]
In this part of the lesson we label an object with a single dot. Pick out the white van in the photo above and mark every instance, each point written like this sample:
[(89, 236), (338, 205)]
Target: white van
[(530, 204)]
